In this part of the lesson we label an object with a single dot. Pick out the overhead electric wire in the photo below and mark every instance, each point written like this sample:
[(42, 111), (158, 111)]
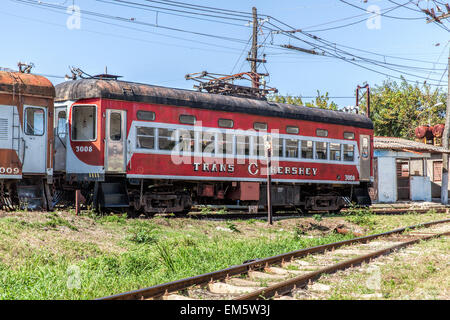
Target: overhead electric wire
[(176, 10), (202, 8), (383, 14), (105, 16), (315, 38), (124, 36), (136, 6)]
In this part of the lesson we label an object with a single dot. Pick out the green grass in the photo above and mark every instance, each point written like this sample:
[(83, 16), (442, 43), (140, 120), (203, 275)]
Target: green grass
[(112, 254)]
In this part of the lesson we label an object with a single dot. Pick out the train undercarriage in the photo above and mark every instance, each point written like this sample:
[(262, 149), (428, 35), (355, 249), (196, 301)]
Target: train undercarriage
[(149, 197)]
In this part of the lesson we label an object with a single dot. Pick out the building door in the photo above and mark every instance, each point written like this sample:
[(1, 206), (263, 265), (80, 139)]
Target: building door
[(35, 139), (403, 187), (115, 136)]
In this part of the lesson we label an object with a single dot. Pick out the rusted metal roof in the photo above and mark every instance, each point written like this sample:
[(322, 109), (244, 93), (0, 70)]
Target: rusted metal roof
[(401, 144), (130, 91), (26, 84)]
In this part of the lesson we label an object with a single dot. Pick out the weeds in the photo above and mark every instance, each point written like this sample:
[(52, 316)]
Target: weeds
[(232, 227), (361, 216)]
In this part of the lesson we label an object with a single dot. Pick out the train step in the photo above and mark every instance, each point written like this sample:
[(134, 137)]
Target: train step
[(114, 195), (31, 197)]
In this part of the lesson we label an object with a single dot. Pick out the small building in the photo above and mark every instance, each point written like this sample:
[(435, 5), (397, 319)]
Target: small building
[(406, 170)]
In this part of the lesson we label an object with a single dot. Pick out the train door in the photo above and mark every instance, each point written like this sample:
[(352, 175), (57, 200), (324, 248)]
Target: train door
[(60, 136), (364, 171), (35, 139), (115, 137)]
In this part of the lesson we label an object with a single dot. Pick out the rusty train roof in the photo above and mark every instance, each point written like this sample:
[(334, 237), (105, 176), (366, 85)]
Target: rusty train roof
[(129, 91), (26, 84)]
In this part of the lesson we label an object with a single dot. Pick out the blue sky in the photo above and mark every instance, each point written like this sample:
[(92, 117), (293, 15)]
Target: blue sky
[(149, 54)]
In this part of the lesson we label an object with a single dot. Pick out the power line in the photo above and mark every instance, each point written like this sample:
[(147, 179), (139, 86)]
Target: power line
[(339, 56), (384, 14)]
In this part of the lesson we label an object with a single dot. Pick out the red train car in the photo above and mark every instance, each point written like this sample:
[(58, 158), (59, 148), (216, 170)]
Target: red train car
[(154, 149), (26, 140)]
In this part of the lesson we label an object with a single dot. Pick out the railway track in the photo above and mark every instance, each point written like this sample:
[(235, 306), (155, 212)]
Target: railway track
[(244, 215), (280, 275)]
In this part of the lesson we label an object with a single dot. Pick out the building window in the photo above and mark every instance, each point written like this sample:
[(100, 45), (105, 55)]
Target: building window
[(260, 126), (321, 150), (84, 119), (226, 123), (145, 138), (292, 130), (145, 115), (166, 139), (291, 148), (307, 149), (349, 135), (322, 133), (187, 119), (349, 152), (35, 122), (335, 151)]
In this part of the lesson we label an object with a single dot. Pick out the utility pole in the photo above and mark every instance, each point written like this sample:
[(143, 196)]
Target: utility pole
[(253, 54), (268, 147), (254, 40), (445, 139)]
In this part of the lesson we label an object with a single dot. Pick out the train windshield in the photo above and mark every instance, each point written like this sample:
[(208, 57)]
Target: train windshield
[(84, 123), (34, 119)]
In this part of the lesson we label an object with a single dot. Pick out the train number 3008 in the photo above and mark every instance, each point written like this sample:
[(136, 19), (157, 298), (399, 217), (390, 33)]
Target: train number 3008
[(83, 149), (349, 177)]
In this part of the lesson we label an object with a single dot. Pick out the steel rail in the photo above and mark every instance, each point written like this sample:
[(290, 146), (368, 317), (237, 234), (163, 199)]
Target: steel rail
[(301, 281), (165, 288)]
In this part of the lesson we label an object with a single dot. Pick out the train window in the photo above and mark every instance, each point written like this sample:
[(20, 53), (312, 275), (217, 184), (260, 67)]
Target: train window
[(258, 146), (226, 123), (365, 148), (208, 142), (349, 152), (349, 135), (322, 133), (291, 148), (34, 120), (61, 129), (292, 130), (145, 115), (335, 151), (277, 147), (321, 150), (243, 145), (187, 140), (115, 126), (260, 126), (166, 139), (225, 142), (145, 138), (307, 149), (187, 119), (84, 120)]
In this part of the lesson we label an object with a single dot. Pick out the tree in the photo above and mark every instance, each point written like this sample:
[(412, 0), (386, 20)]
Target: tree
[(397, 109), (321, 101)]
